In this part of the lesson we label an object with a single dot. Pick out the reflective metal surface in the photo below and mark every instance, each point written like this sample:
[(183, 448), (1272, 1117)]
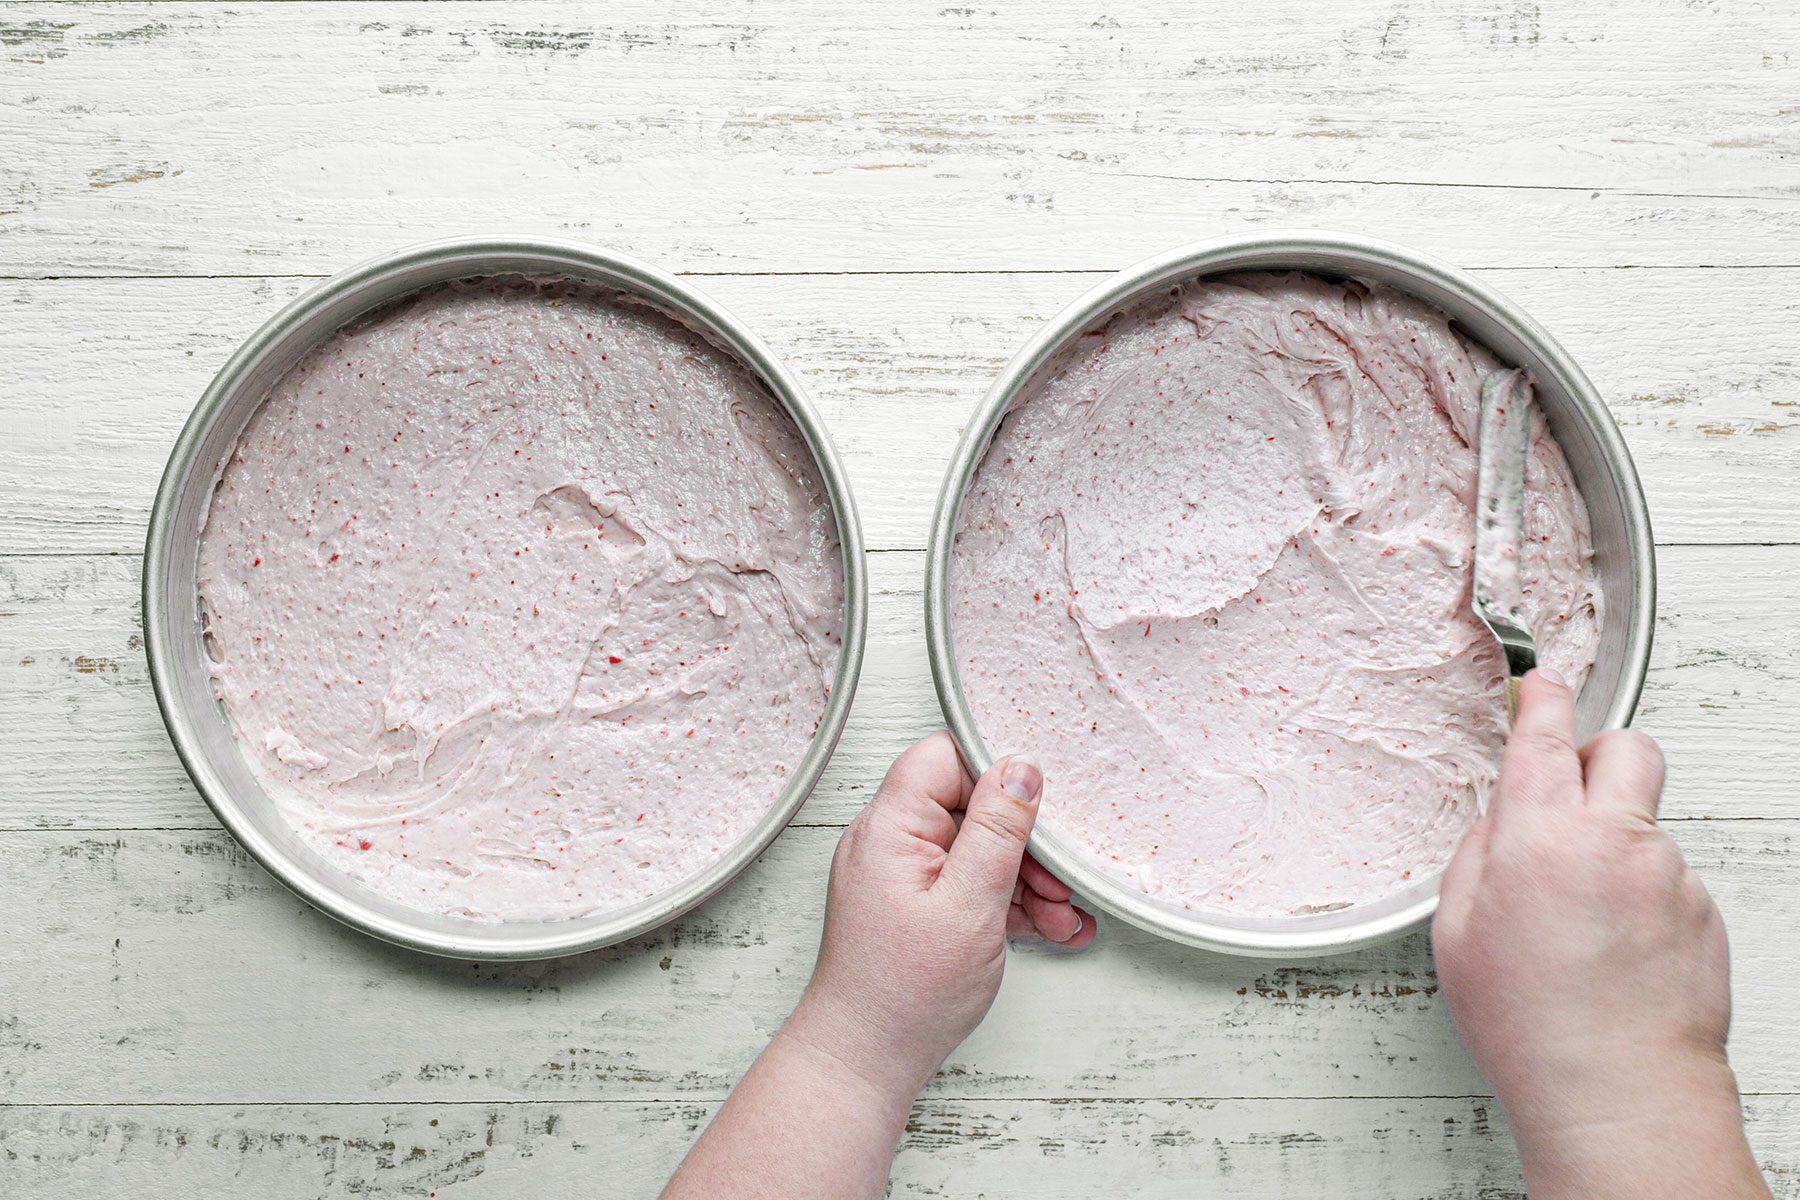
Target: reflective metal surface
[(178, 658), (1598, 458)]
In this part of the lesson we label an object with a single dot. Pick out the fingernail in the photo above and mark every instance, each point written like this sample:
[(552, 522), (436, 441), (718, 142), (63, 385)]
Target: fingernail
[(1079, 926), (1022, 780), (1552, 676)]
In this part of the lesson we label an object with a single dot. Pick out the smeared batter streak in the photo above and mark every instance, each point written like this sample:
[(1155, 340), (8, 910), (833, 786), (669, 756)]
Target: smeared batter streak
[(524, 598)]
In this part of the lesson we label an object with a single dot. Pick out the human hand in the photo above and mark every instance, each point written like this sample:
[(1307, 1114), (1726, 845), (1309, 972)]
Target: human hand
[(919, 910), (1586, 968), (916, 921)]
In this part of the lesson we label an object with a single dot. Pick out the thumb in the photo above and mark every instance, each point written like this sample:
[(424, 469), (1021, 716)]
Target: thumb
[(984, 858)]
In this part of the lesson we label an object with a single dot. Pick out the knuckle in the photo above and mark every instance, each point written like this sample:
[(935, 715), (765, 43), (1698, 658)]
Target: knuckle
[(996, 821), (1623, 838), (1539, 764), (1636, 748), (1695, 896), (915, 762), (1646, 841), (1551, 845), (1638, 743), (1556, 849), (900, 774), (1536, 783), (1666, 860), (1648, 855), (1530, 786), (919, 848), (1539, 742)]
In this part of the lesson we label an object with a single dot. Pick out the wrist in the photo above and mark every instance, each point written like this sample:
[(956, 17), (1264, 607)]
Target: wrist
[(1676, 1131), (893, 1068)]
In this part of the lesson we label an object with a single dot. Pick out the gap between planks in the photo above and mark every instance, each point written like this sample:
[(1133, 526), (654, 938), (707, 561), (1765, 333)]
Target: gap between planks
[(690, 1101), (858, 273), (1632, 193)]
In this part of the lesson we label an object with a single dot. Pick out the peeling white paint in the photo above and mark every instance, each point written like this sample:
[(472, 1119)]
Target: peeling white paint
[(172, 1023)]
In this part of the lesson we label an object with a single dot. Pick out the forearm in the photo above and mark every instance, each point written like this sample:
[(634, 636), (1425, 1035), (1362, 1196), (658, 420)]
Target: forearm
[(1687, 1142), (802, 1123)]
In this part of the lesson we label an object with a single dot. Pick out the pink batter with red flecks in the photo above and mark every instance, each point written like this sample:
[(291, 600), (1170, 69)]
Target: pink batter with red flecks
[(524, 599), (1214, 572)]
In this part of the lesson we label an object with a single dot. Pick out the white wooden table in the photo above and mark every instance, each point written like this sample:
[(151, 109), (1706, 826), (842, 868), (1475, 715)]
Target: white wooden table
[(894, 195)]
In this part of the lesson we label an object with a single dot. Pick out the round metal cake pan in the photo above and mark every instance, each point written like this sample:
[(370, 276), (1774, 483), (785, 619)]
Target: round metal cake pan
[(172, 626), (1624, 557)]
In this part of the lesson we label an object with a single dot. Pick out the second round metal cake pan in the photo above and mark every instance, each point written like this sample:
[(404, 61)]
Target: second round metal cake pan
[(1598, 458)]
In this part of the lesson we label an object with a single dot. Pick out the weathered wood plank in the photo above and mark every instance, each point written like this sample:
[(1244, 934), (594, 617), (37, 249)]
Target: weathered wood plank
[(1414, 1148), (1700, 368), (89, 752), (164, 967), (816, 135), (1441, 1149), (807, 135)]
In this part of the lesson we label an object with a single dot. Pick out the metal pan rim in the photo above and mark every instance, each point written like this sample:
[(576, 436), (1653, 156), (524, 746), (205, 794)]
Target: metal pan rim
[(370, 284), (1303, 249)]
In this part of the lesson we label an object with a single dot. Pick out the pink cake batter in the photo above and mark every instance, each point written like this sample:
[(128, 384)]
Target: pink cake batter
[(1214, 572), (524, 599)]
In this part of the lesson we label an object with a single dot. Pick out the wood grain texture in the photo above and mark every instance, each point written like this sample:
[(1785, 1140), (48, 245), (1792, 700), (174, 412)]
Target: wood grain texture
[(895, 196), (820, 136), (1437, 1148), (164, 967), (896, 364), (1433, 1149), (75, 690)]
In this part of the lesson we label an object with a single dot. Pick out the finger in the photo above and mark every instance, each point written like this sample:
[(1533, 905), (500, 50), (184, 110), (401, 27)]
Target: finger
[(923, 787), (1456, 893), (1019, 925), (989, 848), (1624, 771), (1540, 768), (1084, 937), (1042, 881), (1056, 920), (932, 770)]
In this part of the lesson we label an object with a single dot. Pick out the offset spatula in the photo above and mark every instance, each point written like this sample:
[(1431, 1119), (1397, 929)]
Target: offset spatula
[(1504, 439)]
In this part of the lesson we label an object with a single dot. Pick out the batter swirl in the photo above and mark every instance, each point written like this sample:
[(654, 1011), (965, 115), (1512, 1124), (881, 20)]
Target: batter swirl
[(524, 598), (1214, 571)]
